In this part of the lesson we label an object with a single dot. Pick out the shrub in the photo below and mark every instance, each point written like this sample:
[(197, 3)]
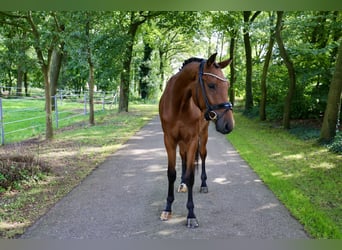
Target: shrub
[(18, 168), (336, 145)]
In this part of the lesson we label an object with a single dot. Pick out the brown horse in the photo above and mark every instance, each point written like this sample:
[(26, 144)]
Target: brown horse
[(196, 94)]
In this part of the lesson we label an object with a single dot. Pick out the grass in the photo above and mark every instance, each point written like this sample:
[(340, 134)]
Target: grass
[(305, 176), (25, 118), (73, 153)]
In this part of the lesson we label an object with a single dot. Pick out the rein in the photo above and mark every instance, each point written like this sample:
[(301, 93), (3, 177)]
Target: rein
[(210, 114)]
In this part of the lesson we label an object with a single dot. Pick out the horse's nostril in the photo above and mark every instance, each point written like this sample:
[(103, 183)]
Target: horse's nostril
[(228, 128)]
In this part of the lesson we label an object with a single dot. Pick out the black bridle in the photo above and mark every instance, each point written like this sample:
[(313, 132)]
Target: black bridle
[(210, 114)]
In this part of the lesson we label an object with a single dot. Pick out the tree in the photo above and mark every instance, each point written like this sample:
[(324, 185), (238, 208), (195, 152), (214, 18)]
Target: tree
[(135, 19), (44, 41), (44, 64), (56, 61), (91, 68), (248, 19), (290, 69), (145, 69), (230, 23), (332, 111), (263, 87)]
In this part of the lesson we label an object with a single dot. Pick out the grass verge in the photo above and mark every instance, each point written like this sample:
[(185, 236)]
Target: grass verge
[(306, 177), (70, 157)]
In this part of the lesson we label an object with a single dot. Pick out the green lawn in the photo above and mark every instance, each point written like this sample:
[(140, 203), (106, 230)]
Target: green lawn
[(25, 118), (306, 177)]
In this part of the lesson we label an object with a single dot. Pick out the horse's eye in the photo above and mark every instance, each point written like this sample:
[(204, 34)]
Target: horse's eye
[(211, 85)]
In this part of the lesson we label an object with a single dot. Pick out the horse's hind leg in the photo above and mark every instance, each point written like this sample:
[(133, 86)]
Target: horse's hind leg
[(171, 174)]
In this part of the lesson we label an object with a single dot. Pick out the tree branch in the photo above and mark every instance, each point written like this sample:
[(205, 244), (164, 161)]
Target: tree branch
[(255, 16)]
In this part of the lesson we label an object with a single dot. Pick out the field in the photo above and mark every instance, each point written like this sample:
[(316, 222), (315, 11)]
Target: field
[(25, 117)]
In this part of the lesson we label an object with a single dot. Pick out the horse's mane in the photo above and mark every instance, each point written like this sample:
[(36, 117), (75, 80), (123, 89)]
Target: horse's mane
[(195, 59), (190, 60)]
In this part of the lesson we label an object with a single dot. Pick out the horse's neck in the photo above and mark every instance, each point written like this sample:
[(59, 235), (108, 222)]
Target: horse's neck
[(182, 94)]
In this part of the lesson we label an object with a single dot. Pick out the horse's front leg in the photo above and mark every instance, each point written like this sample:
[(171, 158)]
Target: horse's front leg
[(204, 186), (190, 179), (191, 218), (171, 175), (166, 214)]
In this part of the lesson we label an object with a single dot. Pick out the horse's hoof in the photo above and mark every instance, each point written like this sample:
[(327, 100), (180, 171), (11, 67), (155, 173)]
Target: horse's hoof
[(204, 190), (192, 223), (182, 188), (165, 215)]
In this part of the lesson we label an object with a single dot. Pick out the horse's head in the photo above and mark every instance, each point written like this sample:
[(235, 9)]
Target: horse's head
[(213, 87)]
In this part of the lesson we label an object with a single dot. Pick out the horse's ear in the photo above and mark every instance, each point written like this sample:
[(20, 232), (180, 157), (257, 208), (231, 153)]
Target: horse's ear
[(211, 59), (225, 63)]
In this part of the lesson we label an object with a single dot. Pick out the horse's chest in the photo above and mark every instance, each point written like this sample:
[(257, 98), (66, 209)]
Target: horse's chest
[(186, 130)]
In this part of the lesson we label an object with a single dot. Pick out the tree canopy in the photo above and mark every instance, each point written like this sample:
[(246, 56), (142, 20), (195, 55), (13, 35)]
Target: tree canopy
[(135, 52)]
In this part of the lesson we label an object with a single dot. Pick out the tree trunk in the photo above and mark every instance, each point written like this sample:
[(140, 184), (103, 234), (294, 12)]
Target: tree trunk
[(56, 63), (127, 58), (91, 94), (262, 108), (10, 82), (55, 67), (48, 112), (248, 52), (145, 69), (290, 69), (19, 80), (91, 75), (331, 114), (161, 69), (26, 84), (125, 80), (45, 70), (232, 70)]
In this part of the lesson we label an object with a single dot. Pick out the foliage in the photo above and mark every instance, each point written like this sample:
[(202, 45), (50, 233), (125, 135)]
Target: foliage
[(310, 38), (336, 145), (16, 169)]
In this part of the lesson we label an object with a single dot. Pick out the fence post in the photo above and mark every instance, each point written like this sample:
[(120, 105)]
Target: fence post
[(2, 124), (56, 109)]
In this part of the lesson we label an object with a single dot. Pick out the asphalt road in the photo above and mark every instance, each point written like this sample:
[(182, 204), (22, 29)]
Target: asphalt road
[(123, 198)]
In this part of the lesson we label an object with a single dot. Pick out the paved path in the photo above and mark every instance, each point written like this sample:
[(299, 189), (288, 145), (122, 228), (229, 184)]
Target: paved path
[(123, 198)]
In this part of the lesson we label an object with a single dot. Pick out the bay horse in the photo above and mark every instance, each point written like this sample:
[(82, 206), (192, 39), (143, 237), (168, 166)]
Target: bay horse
[(198, 93)]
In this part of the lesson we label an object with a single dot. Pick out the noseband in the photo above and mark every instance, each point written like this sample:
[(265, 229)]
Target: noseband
[(210, 114)]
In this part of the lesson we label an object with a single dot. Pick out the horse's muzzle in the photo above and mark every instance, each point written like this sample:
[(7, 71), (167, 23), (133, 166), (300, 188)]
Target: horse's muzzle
[(225, 123)]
